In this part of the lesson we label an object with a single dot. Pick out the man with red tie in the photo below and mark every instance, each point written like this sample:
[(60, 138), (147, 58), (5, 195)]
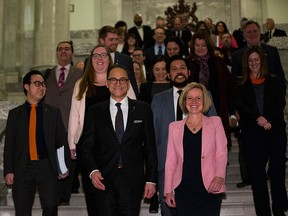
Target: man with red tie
[(61, 80)]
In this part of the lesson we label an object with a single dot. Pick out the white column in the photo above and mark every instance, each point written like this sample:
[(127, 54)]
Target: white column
[(112, 11), (51, 26), (9, 46)]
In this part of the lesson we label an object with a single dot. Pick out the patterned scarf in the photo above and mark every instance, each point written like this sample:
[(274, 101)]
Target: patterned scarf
[(204, 69), (257, 81)]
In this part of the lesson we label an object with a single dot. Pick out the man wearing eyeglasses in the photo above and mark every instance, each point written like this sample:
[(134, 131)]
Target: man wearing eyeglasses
[(158, 48), (139, 56), (60, 81), (34, 131), (118, 142)]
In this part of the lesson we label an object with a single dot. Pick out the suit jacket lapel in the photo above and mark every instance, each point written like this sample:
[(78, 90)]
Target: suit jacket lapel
[(130, 119), (206, 132), (107, 117)]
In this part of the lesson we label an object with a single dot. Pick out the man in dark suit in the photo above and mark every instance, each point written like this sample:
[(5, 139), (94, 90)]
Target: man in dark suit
[(251, 32), (119, 149), (60, 81), (272, 31), (238, 34), (34, 132), (181, 32), (158, 47), (142, 32), (108, 36)]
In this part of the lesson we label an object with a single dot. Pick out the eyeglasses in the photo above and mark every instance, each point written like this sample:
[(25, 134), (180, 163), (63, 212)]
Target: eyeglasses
[(114, 81), (38, 83), (67, 49), (137, 55), (159, 33), (99, 55)]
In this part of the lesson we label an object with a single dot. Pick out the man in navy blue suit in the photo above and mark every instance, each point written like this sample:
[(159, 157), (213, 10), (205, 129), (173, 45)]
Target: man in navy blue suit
[(251, 32)]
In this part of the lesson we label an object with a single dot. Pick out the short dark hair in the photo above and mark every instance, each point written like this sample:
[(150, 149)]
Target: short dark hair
[(120, 24), (139, 49), (159, 28), (117, 66), (105, 30), (68, 42), (27, 78), (178, 41), (250, 22), (174, 58)]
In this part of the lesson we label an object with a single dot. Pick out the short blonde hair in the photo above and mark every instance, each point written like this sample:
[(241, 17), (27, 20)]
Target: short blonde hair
[(206, 97)]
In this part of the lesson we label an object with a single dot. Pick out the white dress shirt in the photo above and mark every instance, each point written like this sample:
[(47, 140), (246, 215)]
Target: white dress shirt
[(58, 71), (114, 109)]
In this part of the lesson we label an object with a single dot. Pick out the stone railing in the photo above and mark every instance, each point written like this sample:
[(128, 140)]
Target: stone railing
[(5, 106)]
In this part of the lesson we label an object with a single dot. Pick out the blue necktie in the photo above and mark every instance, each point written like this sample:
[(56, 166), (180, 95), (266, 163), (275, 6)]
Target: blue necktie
[(160, 50)]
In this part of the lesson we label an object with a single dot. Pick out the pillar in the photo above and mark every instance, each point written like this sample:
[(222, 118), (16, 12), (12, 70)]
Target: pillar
[(51, 27)]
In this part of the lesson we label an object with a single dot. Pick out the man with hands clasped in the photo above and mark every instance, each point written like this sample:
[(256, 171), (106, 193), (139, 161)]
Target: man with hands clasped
[(118, 142)]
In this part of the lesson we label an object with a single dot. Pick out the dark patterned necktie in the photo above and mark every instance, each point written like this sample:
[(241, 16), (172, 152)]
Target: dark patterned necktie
[(119, 123), (179, 115), (61, 78)]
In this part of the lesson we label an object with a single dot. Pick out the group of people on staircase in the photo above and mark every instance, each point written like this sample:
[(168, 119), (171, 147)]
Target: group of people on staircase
[(172, 133)]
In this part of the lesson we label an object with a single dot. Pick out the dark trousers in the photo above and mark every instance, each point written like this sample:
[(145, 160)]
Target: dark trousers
[(118, 199), (39, 175), (197, 203), (65, 185), (241, 156), (165, 209), (89, 196), (261, 146)]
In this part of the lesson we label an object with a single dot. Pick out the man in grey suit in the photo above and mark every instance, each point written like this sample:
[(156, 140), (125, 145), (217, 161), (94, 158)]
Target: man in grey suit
[(164, 107), (30, 159), (60, 81)]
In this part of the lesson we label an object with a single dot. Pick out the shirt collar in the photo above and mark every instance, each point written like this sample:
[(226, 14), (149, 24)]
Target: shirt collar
[(123, 102), (67, 67)]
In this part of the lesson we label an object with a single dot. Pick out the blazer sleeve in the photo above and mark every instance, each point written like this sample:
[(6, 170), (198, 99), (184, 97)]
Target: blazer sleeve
[(221, 149), (10, 140), (171, 162), (150, 148), (76, 117)]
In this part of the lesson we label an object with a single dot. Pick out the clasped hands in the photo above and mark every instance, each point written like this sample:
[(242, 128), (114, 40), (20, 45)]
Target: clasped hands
[(214, 187), (96, 178), (262, 121)]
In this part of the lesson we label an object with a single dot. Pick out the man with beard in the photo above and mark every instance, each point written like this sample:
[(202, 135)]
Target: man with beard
[(61, 80), (142, 32), (166, 110)]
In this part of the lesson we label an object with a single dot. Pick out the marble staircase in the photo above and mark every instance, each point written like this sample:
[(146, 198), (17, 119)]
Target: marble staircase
[(236, 202)]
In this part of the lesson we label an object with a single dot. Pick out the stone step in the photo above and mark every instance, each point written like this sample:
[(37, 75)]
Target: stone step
[(236, 196), (233, 209)]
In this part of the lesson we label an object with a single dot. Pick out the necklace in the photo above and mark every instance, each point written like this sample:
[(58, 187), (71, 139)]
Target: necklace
[(193, 129)]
